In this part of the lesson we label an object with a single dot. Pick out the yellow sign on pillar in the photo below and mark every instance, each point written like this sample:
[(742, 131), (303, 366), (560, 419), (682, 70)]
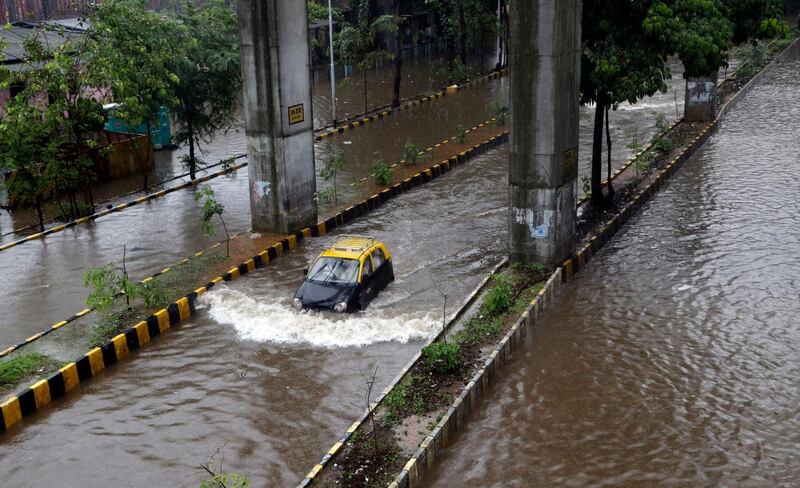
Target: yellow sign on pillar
[(296, 114)]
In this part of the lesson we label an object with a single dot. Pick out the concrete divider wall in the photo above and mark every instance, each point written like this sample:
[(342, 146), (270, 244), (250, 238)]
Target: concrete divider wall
[(445, 431), (42, 393), (388, 112)]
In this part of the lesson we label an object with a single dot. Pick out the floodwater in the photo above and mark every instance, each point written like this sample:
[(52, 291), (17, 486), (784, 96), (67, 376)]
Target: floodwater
[(673, 359), (43, 277), (269, 386)]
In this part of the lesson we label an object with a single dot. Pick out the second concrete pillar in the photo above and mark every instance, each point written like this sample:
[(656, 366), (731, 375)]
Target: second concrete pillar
[(545, 50)]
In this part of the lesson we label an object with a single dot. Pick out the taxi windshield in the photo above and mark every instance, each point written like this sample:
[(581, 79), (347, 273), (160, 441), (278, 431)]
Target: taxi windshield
[(334, 270)]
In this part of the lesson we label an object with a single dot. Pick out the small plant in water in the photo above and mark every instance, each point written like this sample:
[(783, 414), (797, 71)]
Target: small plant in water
[(412, 154), (333, 166), (210, 208), (461, 134), (381, 172), (499, 111)]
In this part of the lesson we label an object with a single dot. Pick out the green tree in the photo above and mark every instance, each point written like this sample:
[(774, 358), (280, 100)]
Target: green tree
[(466, 25), (755, 19), (208, 74), (358, 44), (136, 49), (56, 79), (621, 62), (29, 146), (210, 208)]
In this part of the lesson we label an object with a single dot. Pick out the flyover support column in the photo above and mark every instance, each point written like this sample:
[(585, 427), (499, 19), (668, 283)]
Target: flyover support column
[(276, 76), (545, 50)]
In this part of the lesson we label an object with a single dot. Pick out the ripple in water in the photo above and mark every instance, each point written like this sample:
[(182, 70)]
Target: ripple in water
[(269, 320)]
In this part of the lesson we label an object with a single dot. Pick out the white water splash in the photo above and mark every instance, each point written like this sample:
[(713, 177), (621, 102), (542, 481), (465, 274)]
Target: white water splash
[(272, 321)]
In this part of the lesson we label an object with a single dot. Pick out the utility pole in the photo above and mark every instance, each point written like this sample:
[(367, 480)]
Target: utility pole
[(333, 63), (273, 36), (545, 50)]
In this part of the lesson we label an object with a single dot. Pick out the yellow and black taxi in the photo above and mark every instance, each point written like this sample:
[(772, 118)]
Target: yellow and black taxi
[(347, 275)]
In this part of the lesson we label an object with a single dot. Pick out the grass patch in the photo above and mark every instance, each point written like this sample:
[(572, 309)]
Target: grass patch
[(16, 369)]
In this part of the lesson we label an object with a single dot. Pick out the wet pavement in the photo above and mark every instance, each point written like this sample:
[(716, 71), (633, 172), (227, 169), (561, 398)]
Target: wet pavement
[(270, 386), (673, 359)]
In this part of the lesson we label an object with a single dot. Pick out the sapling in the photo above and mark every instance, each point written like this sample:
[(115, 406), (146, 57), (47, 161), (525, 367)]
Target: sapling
[(333, 165), (370, 381), (210, 208)]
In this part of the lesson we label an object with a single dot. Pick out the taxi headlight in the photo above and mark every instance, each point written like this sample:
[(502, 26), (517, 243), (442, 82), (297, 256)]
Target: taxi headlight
[(340, 307), (297, 303)]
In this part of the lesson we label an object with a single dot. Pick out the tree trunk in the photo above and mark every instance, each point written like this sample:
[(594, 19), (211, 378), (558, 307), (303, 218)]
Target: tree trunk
[(40, 214), (608, 146), (462, 27), (192, 161), (146, 173), (398, 57), (597, 155), (366, 97)]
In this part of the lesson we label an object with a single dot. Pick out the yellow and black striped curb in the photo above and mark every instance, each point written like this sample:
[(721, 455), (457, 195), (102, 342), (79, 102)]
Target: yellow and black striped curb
[(43, 392), (468, 302), (74, 317), (120, 207), (388, 112), (444, 433)]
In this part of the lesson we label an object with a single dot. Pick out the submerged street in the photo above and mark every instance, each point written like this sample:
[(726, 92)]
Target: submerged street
[(483, 307), (673, 356)]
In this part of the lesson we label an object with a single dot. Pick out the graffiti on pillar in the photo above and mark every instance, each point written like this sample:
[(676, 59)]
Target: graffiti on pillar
[(700, 91), (537, 222), (260, 192)]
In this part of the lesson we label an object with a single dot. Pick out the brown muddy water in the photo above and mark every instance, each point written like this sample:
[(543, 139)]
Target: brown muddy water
[(673, 359), (42, 278), (270, 386)]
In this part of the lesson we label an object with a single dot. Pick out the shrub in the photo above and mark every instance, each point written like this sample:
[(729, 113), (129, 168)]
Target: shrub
[(442, 356), (412, 154), (381, 172), (461, 134), (497, 301)]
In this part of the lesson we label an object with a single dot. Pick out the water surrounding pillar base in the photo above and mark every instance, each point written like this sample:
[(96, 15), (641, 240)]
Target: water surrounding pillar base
[(701, 98), (545, 50), (277, 113)]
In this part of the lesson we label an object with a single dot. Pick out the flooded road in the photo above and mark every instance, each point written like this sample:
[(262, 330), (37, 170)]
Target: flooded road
[(673, 359), (270, 386), (40, 276)]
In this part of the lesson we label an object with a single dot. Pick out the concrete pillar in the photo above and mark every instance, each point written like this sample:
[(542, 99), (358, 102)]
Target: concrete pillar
[(545, 49), (701, 98), (277, 113)]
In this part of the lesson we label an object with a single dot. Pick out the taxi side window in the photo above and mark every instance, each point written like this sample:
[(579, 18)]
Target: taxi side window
[(366, 270), (378, 259)]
